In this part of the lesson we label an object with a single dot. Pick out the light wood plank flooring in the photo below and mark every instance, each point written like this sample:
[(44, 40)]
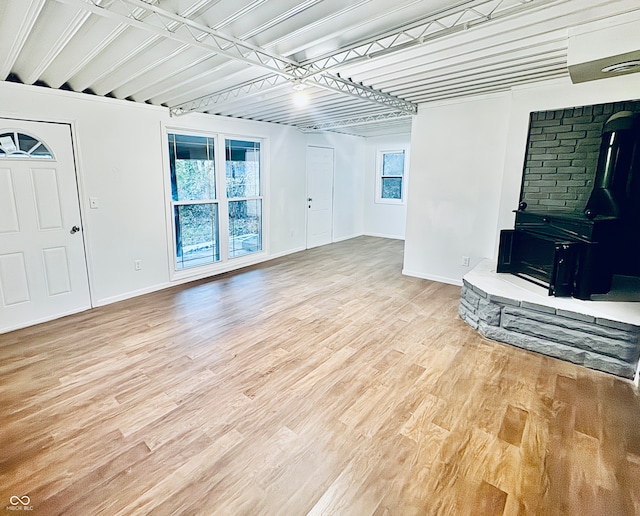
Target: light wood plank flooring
[(324, 382)]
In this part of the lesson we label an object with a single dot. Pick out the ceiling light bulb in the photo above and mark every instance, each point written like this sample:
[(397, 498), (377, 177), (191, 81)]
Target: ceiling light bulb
[(300, 98)]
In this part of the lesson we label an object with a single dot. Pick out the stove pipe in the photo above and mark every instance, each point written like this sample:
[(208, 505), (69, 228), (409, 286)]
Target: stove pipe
[(616, 183)]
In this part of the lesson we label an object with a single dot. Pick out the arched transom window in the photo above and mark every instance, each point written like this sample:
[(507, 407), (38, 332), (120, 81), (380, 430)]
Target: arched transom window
[(22, 146)]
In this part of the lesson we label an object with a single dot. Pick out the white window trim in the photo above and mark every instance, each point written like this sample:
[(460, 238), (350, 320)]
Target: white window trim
[(225, 264), (260, 197), (379, 161)]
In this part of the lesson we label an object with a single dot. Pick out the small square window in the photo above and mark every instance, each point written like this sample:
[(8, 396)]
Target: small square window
[(390, 176)]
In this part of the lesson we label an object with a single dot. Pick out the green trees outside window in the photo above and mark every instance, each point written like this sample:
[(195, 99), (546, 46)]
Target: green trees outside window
[(197, 205), (242, 163)]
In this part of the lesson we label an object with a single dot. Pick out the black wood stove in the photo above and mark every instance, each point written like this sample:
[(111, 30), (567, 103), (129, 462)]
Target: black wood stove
[(577, 254)]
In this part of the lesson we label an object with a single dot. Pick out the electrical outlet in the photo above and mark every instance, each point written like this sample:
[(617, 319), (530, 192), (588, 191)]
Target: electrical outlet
[(465, 261), (137, 265)]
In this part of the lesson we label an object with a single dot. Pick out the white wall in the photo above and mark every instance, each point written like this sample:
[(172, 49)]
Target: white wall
[(457, 156), (384, 219), (120, 147), (464, 177), (466, 169)]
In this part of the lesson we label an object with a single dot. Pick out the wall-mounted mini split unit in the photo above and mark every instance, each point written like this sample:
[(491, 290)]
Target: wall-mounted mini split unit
[(607, 48)]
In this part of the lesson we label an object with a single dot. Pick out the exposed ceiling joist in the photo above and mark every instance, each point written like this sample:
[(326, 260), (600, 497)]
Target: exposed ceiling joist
[(146, 16), (440, 24), (323, 81), (59, 45), (367, 63), (185, 30), (194, 10), (33, 10), (436, 25)]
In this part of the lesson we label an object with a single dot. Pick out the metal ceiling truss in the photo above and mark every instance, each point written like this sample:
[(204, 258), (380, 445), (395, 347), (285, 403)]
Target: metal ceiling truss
[(443, 23), (323, 81), (144, 14), (349, 122), (185, 30), (247, 88), (336, 83), (436, 25)]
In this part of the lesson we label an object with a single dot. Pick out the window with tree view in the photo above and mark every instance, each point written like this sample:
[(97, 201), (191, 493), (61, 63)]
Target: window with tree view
[(244, 197), (194, 202), (391, 176)]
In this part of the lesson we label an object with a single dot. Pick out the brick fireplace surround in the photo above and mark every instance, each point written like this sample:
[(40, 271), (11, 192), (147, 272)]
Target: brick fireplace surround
[(558, 174), (562, 155)]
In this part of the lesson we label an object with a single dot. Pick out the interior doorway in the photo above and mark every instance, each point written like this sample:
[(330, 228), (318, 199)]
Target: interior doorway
[(320, 167)]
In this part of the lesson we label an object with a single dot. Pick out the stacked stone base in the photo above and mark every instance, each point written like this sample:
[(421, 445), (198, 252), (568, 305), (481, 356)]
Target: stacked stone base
[(608, 346)]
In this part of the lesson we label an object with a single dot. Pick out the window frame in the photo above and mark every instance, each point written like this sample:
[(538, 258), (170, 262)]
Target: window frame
[(379, 175), (225, 263), (20, 154), (259, 197), (215, 201)]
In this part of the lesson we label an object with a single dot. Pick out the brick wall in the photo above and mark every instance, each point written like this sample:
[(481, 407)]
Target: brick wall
[(562, 155)]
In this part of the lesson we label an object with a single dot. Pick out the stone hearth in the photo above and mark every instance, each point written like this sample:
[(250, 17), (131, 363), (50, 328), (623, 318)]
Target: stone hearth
[(601, 335)]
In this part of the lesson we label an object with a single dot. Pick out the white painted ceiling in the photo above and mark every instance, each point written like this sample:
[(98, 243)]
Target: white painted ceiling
[(365, 64)]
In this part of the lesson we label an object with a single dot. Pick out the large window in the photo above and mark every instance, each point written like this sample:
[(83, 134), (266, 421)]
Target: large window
[(194, 203), (205, 203), (243, 193), (390, 183)]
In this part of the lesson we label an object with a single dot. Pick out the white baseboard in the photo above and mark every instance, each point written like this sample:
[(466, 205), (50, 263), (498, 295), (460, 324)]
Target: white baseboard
[(431, 277), (43, 320), (383, 235), (135, 293), (188, 279), (285, 253), (349, 237)]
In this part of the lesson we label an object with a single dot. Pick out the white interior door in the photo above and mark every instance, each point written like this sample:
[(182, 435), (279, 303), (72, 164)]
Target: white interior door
[(319, 196), (43, 272)]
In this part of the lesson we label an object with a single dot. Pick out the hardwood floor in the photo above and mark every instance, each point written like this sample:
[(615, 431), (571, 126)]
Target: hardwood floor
[(323, 383)]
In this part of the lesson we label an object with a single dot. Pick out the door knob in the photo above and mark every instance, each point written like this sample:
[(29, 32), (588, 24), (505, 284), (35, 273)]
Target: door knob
[(74, 229), (310, 199)]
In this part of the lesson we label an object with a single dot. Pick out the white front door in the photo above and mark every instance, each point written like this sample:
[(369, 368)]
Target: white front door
[(43, 271), (319, 196)]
